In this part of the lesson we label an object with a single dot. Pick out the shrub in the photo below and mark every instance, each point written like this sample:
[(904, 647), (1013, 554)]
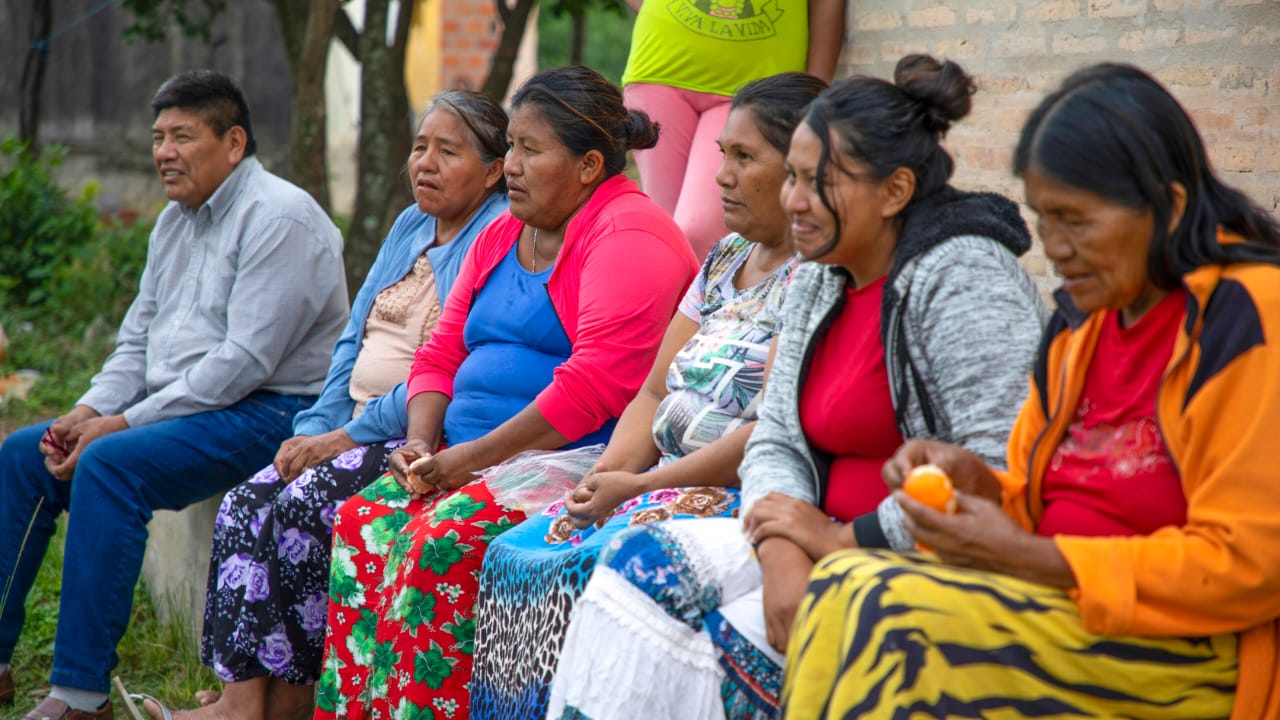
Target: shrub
[(39, 225), (100, 278), (66, 278)]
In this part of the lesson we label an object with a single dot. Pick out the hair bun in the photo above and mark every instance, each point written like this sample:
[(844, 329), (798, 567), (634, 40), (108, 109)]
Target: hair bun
[(642, 133), (943, 89)]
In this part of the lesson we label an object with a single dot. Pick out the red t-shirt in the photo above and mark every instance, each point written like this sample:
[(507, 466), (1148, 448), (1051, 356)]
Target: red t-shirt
[(1112, 474), (845, 406)]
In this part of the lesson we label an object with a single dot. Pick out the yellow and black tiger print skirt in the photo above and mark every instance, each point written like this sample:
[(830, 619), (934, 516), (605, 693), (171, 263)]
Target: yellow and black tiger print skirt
[(882, 635)]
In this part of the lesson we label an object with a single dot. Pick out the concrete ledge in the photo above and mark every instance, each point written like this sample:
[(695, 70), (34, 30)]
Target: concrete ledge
[(176, 566)]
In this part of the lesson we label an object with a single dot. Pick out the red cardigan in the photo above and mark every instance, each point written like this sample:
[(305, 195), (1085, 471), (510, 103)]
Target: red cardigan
[(617, 281)]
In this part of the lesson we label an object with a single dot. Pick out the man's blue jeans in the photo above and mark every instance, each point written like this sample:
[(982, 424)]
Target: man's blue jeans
[(120, 479)]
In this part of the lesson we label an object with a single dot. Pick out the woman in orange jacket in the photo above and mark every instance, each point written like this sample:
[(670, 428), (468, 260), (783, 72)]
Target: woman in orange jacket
[(1127, 563)]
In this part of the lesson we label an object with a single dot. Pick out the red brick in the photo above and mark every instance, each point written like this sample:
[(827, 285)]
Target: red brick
[(1265, 116), (861, 54), (990, 12), (1234, 77), (1269, 159), (1170, 6), (1214, 120), (1071, 44), (1138, 40), (892, 50), (1204, 34), (1117, 8), (1000, 83), (1261, 35), (1012, 122), (1053, 10), (1044, 82), (876, 20), (1035, 263), (959, 49), (1234, 158), (1189, 75), (1011, 45), (938, 16)]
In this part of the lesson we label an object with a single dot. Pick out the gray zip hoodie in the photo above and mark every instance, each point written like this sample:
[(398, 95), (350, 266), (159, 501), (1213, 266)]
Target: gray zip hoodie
[(960, 323)]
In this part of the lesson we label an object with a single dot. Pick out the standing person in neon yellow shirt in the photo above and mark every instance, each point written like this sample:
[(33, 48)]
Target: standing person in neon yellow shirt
[(687, 59)]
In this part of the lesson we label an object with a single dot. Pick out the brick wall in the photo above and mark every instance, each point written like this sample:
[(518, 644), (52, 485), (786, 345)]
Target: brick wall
[(1221, 58), (470, 32), (469, 37)]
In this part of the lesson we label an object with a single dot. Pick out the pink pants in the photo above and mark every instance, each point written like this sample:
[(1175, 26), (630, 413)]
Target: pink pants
[(680, 172)]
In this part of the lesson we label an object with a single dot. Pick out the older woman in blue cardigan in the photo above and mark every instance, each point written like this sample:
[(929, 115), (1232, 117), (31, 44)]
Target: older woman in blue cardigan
[(268, 575)]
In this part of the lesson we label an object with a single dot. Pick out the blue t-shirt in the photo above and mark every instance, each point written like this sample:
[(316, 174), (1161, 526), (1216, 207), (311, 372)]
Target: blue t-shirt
[(514, 342)]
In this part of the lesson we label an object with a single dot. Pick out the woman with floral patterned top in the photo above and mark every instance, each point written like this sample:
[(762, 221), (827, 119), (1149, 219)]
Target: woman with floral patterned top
[(687, 427)]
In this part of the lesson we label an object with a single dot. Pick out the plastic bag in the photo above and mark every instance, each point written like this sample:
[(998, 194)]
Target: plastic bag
[(531, 480)]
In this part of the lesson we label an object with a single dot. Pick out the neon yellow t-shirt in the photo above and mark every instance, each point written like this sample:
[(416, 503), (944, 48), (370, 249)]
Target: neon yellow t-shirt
[(716, 46)]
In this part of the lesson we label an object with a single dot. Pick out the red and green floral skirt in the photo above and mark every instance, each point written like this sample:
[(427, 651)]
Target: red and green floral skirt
[(402, 595)]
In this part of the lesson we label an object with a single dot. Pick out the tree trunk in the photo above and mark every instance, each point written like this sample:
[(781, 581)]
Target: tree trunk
[(33, 71), (381, 188), (577, 37), (307, 26), (502, 69)]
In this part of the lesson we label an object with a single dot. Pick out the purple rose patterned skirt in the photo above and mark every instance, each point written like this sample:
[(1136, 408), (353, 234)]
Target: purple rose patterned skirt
[(267, 597)]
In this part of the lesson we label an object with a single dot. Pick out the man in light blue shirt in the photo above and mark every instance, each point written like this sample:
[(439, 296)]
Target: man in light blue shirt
[(240, 303)]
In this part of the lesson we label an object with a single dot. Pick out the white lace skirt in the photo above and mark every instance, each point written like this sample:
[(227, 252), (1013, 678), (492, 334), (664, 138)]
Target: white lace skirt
[(668, 608)]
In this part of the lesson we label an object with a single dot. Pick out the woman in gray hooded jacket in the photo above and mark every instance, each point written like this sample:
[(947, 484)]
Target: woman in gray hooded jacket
[(913, 319)]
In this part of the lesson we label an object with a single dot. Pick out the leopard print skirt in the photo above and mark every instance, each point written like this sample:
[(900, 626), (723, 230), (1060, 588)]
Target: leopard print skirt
[(530, 580)]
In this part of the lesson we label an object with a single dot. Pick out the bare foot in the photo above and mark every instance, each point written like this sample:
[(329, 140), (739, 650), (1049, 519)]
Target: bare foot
[(208, 697), (241, 700), (289, 702)]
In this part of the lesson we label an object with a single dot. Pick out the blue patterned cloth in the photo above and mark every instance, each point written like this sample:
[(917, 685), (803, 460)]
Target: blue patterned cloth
[(531, 578)]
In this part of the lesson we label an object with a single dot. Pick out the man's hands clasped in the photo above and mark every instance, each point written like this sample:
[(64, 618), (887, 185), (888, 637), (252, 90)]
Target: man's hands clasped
[(68, 436)]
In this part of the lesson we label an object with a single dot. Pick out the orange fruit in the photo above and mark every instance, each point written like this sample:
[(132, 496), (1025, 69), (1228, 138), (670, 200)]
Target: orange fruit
[(928, 484)]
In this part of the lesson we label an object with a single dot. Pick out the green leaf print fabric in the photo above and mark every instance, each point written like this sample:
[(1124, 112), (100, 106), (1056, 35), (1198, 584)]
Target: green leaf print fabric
[(402, 597)]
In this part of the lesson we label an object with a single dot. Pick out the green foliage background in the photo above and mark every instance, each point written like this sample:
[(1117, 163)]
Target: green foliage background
[(66, 277), (608, 40)]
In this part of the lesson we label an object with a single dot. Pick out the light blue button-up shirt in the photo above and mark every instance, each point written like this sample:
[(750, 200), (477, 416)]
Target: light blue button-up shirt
[(245, 293)]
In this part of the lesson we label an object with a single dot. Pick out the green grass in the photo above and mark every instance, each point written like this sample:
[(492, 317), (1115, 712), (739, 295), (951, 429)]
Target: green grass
[(156, 658)]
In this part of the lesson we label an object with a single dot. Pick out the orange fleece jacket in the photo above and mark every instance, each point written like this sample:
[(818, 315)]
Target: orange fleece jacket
[(1218, 409)]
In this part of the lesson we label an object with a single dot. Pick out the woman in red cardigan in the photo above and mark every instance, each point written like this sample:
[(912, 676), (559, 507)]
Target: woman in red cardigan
[(554, 320)]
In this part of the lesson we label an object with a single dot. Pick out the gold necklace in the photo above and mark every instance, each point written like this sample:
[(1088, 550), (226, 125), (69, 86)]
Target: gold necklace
[(535, 250)]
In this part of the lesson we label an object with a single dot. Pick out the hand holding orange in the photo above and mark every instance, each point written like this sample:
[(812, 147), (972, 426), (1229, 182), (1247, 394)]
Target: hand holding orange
[(929, 484)]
